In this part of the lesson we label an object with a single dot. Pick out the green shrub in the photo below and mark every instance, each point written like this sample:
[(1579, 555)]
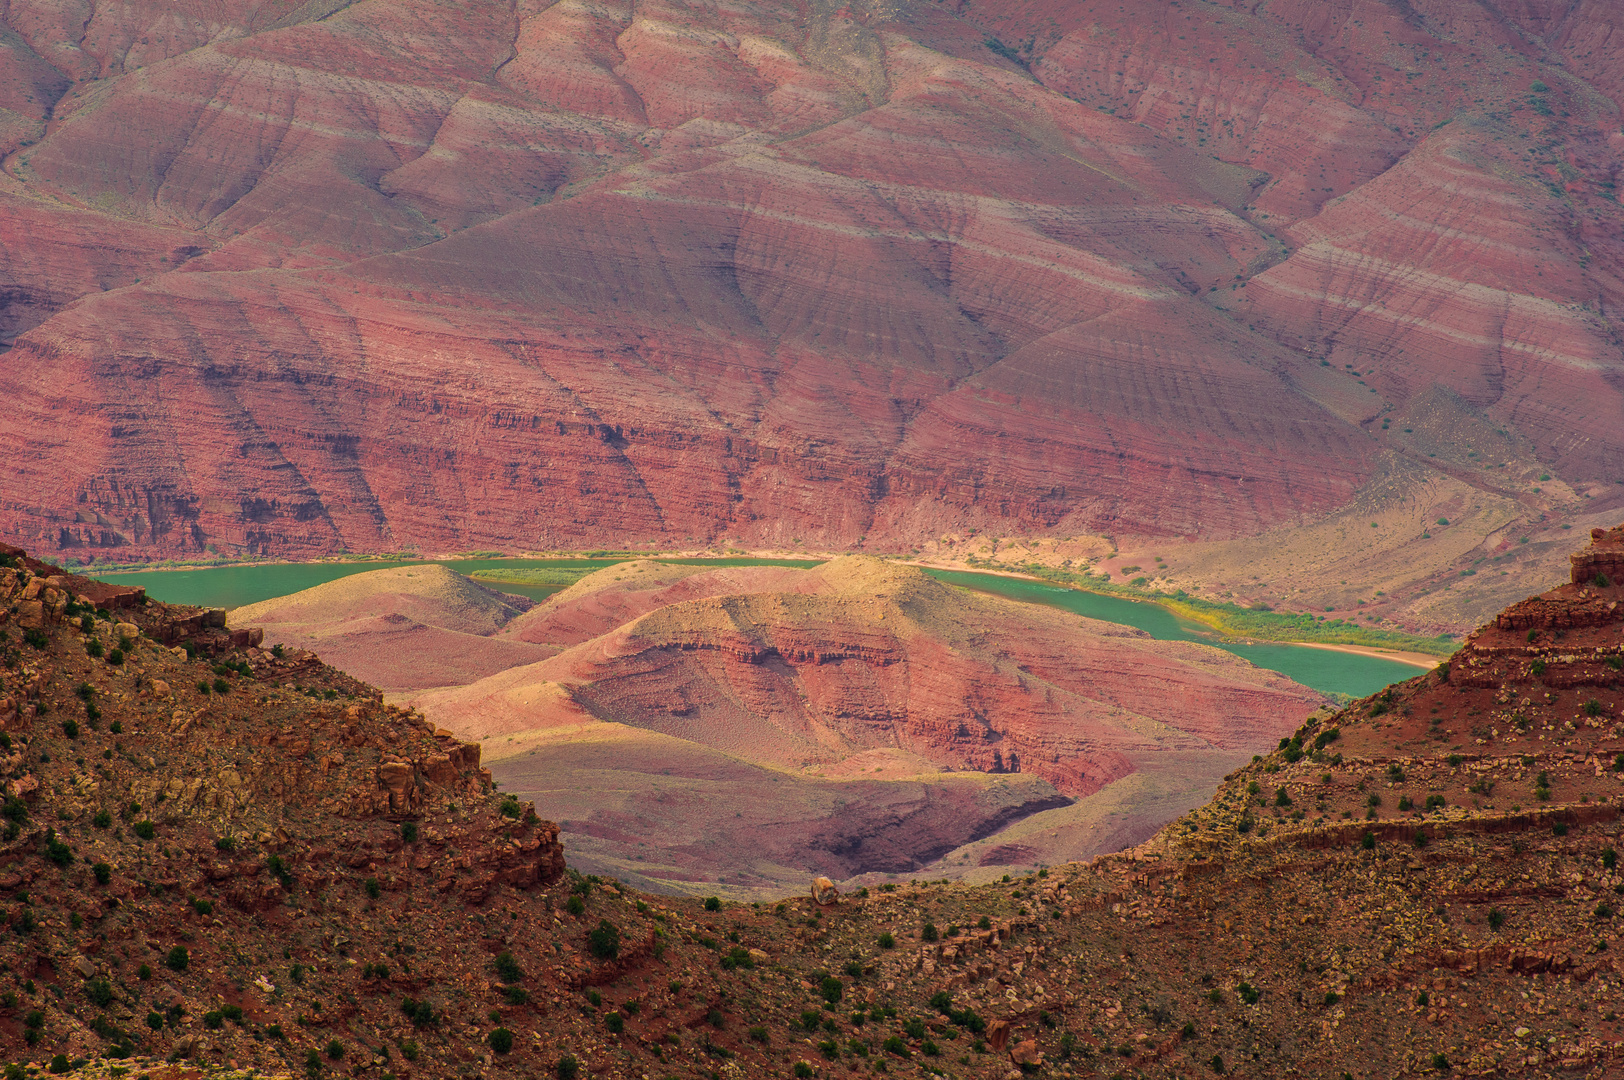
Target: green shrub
[(59, 1064), (202, 907), (517, 995), (604, 940), (1497, 918), (100, 993), (178, 958), (145, 829), (373, 889), (220, 686), (1368, 841), (213, 1020), (102, 820), (501, 1040), (507, 968), (832, 989), (614, 1022), (70, 728), (155, 1021), (929, 933), (895, 1045), (713, 903), (115, 656), (575, 906), (758, 1034), (335, 1049), (1248, 993), (55, 850), (1609, 858), (802, 1070), (887, 941), (569, 1068), (420, 1013), (408, 832)]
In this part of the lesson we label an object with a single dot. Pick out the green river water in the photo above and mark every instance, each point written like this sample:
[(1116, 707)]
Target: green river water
[(1323, 669)]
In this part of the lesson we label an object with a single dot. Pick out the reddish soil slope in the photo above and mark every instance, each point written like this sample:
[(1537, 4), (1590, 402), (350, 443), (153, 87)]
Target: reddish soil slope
[(858, 655), (400, 629), (286, 279), (743, 725)]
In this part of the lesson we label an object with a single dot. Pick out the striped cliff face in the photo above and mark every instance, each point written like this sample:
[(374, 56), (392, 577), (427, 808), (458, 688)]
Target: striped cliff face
[(362, 277)]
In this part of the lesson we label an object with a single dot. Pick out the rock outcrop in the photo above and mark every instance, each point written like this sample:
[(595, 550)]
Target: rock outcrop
[(1424, 882), (617, 273)]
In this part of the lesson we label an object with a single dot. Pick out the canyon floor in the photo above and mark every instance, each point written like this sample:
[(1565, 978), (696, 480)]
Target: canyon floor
[(287, 875)]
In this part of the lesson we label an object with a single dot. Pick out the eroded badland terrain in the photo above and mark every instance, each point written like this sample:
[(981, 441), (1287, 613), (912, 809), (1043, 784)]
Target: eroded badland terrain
[(215, 856), (1218, 282), (729, 730)]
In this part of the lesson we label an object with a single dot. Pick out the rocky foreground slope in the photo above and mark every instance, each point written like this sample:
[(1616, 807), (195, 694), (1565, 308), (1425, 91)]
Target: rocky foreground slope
[(1425, 883), (550, 274)]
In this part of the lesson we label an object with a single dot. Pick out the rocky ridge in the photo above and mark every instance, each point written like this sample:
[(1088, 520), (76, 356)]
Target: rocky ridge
[(1423, 883)]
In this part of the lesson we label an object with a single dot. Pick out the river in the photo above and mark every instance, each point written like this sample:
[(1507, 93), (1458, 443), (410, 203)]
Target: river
[(1326, 670)]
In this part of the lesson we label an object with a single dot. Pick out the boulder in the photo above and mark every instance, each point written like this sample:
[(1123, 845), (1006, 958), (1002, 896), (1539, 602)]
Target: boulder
[(1026, 1053), (824, 892)]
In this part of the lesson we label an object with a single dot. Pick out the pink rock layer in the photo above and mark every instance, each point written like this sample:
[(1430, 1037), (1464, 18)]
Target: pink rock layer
[(290, 280)]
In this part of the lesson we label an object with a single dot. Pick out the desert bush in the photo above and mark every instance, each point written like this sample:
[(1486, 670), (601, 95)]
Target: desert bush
[(604, 940)]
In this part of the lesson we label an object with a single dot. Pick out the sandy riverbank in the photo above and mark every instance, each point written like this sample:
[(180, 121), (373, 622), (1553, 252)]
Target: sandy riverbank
[(1420, 660)]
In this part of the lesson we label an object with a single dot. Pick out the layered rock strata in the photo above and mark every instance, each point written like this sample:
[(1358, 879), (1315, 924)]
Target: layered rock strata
[(614, 273)]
